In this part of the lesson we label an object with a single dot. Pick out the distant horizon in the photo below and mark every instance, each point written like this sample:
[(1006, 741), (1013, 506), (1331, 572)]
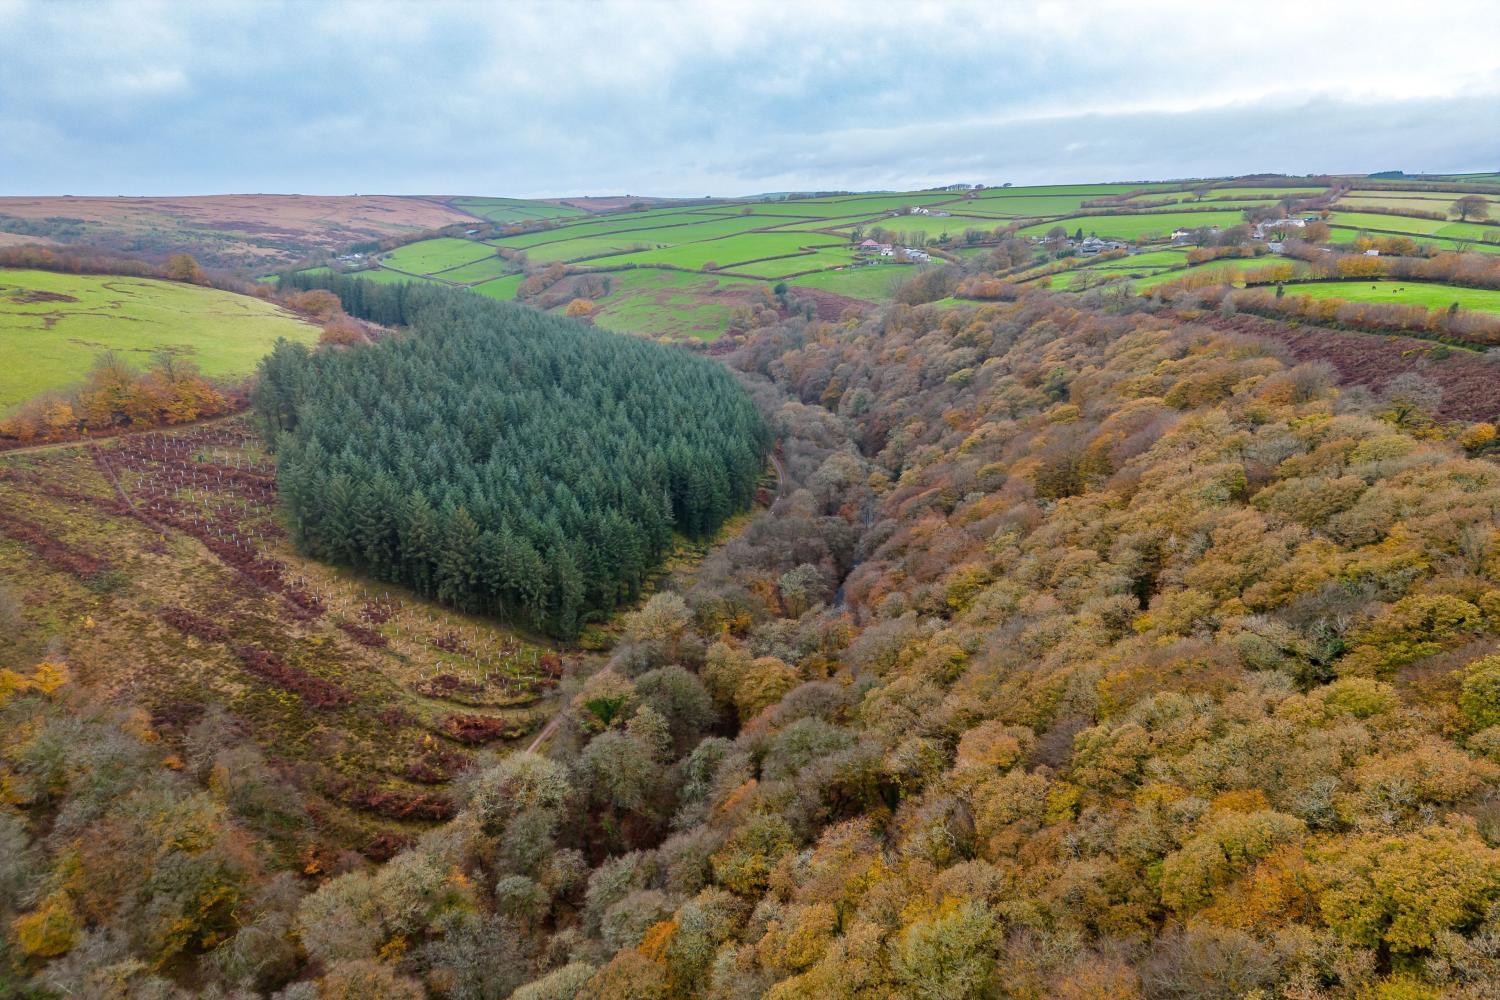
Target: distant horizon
[(741, 197)]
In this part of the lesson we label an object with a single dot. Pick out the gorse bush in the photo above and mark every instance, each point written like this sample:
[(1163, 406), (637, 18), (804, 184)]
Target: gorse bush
[(503, 460)]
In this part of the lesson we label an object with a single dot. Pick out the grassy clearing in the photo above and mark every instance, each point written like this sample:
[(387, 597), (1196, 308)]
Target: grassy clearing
[(1430, 295), (52, 326), (430, 256), (872, 282), (661, 303)]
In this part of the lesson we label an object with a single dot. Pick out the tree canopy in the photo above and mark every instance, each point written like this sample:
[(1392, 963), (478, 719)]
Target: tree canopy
[(504, 460)]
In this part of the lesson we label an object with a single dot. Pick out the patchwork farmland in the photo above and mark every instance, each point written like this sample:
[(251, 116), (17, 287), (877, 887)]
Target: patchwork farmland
[(695, 270)]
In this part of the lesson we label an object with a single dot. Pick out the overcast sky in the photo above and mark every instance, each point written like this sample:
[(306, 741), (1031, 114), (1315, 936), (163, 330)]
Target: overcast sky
[(725, 98)]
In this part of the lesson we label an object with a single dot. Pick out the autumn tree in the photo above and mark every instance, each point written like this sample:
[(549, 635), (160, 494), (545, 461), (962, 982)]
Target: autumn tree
[(1471, 206)]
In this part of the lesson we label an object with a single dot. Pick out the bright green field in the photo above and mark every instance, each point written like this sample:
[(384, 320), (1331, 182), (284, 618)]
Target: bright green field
[(1426, 294), (926, 227), (480, 270), (656, 220), (53, 344), (870, 282), (1417, 227), (1129, 227), (384, 277), (727, 251), (430, 256), (505, 210), (503, 289), (782, 267)]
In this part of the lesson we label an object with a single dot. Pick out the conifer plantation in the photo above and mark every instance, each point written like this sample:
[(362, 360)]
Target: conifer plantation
[(500, 459)]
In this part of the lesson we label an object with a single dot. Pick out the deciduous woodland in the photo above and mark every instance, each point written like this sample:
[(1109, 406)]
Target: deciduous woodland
[(504, 460), (1091, 655)]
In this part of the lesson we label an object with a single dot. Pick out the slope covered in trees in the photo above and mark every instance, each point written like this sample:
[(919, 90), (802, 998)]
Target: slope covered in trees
[(504, 460), (1090, 656), (1095, 656)]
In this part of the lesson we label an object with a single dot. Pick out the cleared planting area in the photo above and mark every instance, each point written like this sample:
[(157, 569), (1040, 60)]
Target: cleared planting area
[(169, 546), (59, 323)]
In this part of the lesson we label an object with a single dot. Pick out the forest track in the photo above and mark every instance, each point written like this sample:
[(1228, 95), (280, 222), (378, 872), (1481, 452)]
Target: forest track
[(781, 492), (33, 449)]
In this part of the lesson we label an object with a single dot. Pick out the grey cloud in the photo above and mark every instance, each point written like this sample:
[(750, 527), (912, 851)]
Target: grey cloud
[(143, 96)]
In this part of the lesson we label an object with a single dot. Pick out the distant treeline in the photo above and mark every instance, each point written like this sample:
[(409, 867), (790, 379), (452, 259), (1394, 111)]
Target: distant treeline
[(500, 459)]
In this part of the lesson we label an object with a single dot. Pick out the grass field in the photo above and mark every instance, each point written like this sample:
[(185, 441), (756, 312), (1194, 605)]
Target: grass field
[(671, 303), (59, 323), (872, 283), (726, 252), (1132, 227), (480, 270), (431, 256), (1432, 296), (507, 210)]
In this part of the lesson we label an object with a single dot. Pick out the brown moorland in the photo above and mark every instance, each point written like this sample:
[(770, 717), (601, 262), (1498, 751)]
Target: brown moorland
[(236, 230)]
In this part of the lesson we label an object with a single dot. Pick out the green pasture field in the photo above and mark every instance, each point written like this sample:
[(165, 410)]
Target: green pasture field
[(1259, 193), (503, 289), (224, 334), (781, 267), (505, 210), (1151, 259), (926, 226), (870, 282), (590, 246), (430, 256), (1129, 227), (1427, 294), (844, 205), (1222, 264), (1349, 235), (480, 270), (727, 251), (382, 276), (628, 222), (774, 209), (1375, 221), (670, 303), (1354, 203), (1027, 206)]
